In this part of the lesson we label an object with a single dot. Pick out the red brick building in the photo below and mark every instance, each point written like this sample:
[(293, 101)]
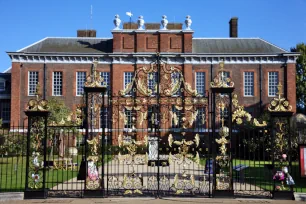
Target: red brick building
[(61, 64)]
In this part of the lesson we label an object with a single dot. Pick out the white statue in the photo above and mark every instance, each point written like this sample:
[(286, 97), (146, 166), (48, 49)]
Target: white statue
[(140, 23), (117, 22), (188, 22), (164, 22)]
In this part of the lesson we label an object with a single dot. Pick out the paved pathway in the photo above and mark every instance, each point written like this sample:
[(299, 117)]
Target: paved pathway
[(145, 172), (155, 201)]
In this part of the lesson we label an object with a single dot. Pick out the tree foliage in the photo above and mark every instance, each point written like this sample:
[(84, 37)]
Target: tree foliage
[(300, 77)]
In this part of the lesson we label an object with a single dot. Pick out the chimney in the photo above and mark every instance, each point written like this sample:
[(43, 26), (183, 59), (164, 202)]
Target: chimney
[(233, 27), (86, 33)]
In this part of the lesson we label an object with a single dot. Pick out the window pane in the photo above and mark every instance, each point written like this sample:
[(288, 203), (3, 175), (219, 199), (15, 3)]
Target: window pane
[(152, 82), (249, 83), (201, 118), (106, 80), (273, 82), (81, 78), (129, 116), (57, 83), (6, 111), (33, 81), (128, 77), (200, 83), (104, 117)]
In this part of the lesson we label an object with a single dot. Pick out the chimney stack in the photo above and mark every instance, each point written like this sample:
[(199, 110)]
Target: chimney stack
[(233, 27), (86, 33)]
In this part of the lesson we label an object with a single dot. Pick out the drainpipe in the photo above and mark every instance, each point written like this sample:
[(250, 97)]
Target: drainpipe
[(260, 89), (44, 94), (285, 79)]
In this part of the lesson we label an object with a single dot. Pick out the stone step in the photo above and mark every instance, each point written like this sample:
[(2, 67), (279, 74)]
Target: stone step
[(300, 196), (11, 196)]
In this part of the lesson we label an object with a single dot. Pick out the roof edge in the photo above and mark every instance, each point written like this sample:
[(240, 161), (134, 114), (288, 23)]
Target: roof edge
[(8, 69), (32, 44), (273, 45)]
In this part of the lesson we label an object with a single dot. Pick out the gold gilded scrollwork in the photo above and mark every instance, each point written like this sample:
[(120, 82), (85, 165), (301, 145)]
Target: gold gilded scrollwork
[(132, 183), (95, 80), (279, 104), (240, 113), (184, 182), (37, 104), (221, 80), (144, 74)]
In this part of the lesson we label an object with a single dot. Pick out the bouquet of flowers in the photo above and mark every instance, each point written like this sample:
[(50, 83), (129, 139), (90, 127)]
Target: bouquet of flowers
[(282, 176)]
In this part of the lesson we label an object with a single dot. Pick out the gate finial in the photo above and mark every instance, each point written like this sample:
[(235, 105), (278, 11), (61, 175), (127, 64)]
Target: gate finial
[(279, 104), (221, 80), (37, 104), (94, 79)]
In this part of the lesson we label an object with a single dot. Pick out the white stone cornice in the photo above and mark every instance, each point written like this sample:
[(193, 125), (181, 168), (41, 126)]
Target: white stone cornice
[(147, 58)]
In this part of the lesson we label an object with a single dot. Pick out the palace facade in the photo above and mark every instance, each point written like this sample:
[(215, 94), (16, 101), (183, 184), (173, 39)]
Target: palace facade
[(61, 64)]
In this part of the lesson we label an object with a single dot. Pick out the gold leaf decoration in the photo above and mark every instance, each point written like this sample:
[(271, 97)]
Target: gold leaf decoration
[(279, 104)]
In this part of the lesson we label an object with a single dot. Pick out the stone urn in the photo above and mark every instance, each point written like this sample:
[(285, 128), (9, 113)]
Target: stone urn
[(164, 22), (140, 23), (117, 22), (188, 22)]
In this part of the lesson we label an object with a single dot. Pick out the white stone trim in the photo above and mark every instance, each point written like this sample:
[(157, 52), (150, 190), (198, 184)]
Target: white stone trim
[(8, 69), (149, 58), (151, 31)]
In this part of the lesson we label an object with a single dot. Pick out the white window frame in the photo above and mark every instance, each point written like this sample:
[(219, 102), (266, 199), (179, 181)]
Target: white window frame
[(105, 116), (53, 83), (107, 82), (77, 82), (32, 94), (124, 82), (244, 85), (196, 82), (270, 95)]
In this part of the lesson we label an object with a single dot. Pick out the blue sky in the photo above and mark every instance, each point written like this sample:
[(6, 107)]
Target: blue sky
[(23, 22)]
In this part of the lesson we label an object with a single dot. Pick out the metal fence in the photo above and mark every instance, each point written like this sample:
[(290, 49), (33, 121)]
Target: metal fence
[(12, 159)]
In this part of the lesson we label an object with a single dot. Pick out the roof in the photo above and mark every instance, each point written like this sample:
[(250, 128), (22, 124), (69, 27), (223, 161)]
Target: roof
[(200, 45), (234, 45), (71, 45)]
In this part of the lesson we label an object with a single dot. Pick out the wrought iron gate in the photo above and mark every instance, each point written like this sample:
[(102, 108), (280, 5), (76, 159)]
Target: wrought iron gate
[(157, 137)]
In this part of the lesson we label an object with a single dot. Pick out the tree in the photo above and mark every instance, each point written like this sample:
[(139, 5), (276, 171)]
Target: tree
[(300, 77)]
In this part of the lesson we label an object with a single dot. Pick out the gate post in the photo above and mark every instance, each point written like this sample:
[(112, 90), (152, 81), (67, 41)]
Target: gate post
[(94, 87), (280, 111), (222, 87), (37, 112)]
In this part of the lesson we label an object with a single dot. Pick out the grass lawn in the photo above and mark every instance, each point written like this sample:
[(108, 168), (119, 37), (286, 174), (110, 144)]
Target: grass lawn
[(13, 171), (259, 175)]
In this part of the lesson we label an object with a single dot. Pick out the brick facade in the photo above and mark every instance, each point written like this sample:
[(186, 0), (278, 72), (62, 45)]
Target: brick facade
[(147, 42)]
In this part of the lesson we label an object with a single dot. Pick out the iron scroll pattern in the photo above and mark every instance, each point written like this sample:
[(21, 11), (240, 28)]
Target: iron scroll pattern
[(156, 102), (132, 183)]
